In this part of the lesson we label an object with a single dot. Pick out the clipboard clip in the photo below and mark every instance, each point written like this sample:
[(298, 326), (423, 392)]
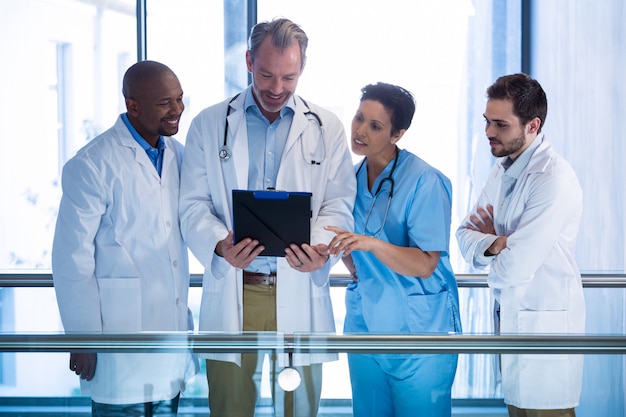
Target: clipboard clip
[(275, 218), (270, 194)]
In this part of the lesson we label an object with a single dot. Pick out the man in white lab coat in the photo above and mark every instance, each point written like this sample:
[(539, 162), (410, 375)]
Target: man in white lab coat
[(524, 227), (118, 260), (265, 137)]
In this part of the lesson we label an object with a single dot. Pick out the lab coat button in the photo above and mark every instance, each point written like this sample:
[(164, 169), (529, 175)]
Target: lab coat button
[(175, 263), (168, 224)]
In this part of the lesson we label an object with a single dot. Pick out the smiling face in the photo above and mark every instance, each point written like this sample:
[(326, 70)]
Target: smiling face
[(275, 75), (371, 132), (156, 106), (507, 136)]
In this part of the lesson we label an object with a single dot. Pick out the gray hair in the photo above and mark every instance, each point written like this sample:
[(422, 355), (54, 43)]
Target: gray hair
[(283, 33)]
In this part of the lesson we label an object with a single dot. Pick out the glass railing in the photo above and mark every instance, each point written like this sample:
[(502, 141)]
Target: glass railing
[(28, 346), (35, 379)]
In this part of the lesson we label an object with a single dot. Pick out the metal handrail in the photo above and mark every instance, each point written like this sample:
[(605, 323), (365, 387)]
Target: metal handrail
[(163, 342), (44, 279), (313, 343)]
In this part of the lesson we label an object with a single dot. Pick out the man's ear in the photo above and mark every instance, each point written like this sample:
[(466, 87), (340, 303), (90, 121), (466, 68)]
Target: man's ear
[(534, 125), (132, 107), (249, 61)]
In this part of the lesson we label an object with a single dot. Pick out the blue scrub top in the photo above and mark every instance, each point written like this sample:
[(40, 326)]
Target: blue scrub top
[(383, 301)]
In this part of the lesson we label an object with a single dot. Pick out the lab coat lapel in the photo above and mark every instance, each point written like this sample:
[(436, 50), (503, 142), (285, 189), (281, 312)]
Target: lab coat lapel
[(238, 143), (537, 165), (168, 161), (541, 157), (297, 127), (141, 157)]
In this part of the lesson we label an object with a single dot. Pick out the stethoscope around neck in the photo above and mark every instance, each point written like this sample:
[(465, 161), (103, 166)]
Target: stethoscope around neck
[(392, 185), (225, 153)]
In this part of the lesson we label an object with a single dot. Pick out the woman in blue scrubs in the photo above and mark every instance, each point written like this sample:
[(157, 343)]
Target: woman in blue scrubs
[(399, 262)]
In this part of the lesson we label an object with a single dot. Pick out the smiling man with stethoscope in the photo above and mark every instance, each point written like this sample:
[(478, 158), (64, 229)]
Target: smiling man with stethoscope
[(265, 137)]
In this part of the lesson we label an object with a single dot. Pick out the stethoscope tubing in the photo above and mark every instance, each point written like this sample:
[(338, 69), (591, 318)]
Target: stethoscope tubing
[(225, 153), (378, 189)]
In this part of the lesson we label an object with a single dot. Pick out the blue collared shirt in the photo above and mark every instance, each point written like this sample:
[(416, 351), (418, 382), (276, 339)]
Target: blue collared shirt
[(155, 154), (266, 142)]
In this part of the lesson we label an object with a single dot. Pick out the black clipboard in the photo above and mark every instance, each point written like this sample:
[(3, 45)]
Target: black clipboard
[(275, 218)]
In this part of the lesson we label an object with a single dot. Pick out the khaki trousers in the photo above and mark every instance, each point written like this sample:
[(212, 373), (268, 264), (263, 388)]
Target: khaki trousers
[(523, 412), (232, 390)]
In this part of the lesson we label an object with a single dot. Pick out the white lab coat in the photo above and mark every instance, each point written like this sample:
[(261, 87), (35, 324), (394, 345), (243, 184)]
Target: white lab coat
[(119, 262), (303, 300), (535, 278)]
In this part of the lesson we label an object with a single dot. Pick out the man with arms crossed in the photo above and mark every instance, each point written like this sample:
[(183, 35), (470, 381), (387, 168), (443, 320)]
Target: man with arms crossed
[(524, 228)]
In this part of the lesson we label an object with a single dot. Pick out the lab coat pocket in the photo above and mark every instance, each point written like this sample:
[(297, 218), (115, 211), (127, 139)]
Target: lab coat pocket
[(430, 313), (541, 380), (542, 322), (120, 304)]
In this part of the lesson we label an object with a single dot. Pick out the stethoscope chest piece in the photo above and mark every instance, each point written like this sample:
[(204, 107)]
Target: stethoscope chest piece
[(224, 153), (289, 378)]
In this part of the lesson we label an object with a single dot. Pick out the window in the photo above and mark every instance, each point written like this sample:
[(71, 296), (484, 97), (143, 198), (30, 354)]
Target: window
[(7, 359), (63, 87), (62, 90)]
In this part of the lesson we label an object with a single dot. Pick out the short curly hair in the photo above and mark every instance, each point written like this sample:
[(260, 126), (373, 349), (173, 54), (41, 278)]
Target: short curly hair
[(399, 101)]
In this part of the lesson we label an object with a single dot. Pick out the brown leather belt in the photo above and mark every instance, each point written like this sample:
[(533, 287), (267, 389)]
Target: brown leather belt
[(255, 278)]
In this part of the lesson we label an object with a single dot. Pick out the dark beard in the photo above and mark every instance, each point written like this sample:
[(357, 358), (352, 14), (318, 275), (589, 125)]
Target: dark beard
[(511, 148)]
